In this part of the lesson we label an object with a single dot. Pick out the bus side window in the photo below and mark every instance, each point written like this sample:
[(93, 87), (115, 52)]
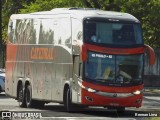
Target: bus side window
[(11, 31), (11, 26), (77, 30), (77, 66)]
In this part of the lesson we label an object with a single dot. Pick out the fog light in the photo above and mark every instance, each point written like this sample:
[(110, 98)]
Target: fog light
[(138, 101), (89, 98)]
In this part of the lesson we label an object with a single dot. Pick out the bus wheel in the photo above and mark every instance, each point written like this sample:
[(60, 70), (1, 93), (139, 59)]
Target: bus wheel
[(67, 101), (28, 96), (21, 96)]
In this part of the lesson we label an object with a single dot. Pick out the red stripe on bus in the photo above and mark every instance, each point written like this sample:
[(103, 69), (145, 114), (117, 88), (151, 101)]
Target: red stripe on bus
[(107, 50)]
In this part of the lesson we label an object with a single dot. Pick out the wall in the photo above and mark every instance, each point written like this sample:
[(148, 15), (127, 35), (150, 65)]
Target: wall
[(152, 72)]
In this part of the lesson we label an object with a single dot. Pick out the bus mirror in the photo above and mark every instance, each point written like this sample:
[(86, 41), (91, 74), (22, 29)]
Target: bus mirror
[(84, 53), (151, 53)]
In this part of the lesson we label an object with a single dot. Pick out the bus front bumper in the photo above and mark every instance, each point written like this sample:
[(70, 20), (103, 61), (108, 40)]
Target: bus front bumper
[(111, 99)]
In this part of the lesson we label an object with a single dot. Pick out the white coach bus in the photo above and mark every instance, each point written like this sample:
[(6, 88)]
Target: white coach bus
[(75, 56)]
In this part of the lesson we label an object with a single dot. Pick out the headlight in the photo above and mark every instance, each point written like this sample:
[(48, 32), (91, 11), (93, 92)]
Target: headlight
[(137, 92), (91, 90)]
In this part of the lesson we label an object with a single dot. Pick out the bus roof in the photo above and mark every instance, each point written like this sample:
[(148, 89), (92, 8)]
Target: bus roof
[(78, 13)]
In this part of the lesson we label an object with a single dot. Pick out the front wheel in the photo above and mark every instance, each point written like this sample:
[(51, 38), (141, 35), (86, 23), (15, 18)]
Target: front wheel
[(67, 101)]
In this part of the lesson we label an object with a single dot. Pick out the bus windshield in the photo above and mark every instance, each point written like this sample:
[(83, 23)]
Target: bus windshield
[(112, 33), (121, 69)]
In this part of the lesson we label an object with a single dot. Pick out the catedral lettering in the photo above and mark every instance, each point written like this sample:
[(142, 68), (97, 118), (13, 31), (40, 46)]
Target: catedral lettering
[(42, 53), (106, 71)]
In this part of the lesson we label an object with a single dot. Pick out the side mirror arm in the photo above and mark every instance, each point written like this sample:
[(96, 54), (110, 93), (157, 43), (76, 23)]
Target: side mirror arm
[(151, 53)]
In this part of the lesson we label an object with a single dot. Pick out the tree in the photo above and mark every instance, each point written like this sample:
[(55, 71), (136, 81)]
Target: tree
[(102, 4), (147, 11), (0, 24), (1, 42), (41, 5)]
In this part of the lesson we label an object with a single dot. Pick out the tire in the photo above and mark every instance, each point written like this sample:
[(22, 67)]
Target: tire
[(28, 97), (21, 96), (30, 103), (67, 101)]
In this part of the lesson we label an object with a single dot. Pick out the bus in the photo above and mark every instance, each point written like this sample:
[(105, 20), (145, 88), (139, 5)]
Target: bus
[(76, 57)]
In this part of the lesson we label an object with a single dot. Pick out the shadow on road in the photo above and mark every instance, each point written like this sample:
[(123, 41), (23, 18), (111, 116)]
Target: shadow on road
[(91, 112)]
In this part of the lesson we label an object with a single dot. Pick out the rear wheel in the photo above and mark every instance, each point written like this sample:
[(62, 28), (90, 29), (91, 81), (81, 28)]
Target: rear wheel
[(21, 96), (28, 97), (30, 102)]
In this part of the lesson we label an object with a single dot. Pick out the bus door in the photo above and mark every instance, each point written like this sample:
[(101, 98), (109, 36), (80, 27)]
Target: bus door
[(77, 76)]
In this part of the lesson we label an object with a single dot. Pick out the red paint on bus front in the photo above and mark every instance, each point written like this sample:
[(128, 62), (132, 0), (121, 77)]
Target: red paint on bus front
[(99, 100)]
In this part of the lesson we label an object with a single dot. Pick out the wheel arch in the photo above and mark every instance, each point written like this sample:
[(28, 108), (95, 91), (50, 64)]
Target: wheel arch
[(27, 82), (18, 86), (24, 84)]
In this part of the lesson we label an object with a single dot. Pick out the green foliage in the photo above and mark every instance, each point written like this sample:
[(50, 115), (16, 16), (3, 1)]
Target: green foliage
[(147, 11), (44, 5), (10, 7), (102, 4)]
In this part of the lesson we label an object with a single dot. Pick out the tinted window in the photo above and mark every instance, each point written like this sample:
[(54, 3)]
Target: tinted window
[(112, 33), (105, 68)]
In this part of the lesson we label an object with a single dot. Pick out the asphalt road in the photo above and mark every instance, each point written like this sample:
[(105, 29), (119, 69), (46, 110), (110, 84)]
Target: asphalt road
[(150, 107)]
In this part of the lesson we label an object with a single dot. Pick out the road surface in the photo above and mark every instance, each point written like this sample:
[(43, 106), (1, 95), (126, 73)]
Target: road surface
[(150, 107)]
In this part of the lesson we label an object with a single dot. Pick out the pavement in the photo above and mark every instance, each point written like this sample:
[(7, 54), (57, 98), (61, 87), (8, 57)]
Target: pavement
[(152, 91)]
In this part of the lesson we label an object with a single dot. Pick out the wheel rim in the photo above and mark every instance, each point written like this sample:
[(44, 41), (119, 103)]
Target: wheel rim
[(20, 96)]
